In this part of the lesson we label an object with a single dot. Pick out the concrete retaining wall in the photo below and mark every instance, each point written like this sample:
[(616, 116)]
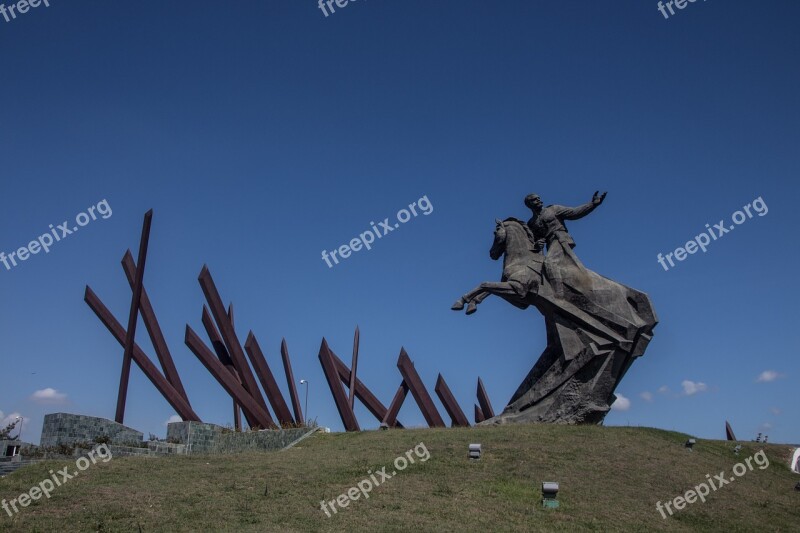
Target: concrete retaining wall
[(182, 437), (209, 438), (65, 428)]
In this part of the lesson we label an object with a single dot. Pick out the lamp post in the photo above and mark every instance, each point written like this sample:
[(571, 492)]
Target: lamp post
[(305, 382), (20, 420)]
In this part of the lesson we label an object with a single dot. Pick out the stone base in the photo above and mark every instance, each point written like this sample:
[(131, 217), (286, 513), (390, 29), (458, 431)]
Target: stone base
[(536, 416), (182, 437), (65, 428), (199, 437)]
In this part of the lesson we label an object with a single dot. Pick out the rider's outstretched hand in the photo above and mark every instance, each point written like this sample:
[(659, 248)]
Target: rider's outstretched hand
[(598, 198)]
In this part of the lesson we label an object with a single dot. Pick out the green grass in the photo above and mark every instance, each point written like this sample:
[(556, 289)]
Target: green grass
[(611, 479)]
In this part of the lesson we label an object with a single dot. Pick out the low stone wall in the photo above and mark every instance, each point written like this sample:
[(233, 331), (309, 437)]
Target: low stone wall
[(258, 440), (182, 437), (210, 438), (127, 451), (198, 437), (116, 451), (65, 428), (166, 448)]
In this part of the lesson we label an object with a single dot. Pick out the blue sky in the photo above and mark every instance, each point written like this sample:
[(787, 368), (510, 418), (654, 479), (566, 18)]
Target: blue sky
[(262, 133)]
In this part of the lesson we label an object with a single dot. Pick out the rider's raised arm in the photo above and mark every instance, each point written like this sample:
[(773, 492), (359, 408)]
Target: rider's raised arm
[(574, 213)]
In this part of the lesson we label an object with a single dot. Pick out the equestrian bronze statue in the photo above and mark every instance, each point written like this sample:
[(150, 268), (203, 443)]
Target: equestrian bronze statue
[(595, 327)]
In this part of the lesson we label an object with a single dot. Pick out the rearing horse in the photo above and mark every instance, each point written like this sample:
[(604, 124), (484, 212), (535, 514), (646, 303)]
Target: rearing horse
[(522, 268), (595, 327)]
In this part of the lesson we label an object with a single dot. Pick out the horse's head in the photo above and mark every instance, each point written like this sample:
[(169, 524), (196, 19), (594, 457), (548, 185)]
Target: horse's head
[(507, 236), (499, 244)]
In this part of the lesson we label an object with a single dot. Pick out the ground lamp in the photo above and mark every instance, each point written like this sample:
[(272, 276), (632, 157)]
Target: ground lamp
[(549, 495), (474, 451)]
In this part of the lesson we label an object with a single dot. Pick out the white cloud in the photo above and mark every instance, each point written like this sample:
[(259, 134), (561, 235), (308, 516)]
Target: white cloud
[(173, 418), (647, 396), (691, 387), (775, 411), (6, 420), (766, 426), (663, 389), (768, 375), (621, 403), (49, 396)]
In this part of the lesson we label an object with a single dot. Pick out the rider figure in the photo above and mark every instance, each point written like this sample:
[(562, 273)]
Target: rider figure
[(563, 271), (547, 223)]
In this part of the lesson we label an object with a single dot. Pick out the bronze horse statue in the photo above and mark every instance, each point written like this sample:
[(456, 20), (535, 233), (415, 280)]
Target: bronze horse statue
[(596, 328)]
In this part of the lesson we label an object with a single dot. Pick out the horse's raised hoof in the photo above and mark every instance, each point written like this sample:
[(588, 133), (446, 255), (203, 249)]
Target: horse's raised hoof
[(459, 305), (471, 308)]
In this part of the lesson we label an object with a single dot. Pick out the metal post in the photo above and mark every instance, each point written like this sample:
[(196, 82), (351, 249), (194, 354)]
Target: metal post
[(267, 379), (353, 366), (483, 400), (305, 382), (418, 391), (230, 338), (154, 329), (457, 416), (150, 370), (227, 380), (130, 334), (287, 366), (332, 377)]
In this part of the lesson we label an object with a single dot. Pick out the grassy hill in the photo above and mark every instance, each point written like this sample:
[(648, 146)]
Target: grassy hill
[(611, 479)]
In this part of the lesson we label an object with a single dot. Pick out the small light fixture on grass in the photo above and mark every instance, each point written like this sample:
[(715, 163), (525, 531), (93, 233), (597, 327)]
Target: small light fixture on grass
[(475, 451), (690, 444), (550, 495), (737, 449), (797, 487)]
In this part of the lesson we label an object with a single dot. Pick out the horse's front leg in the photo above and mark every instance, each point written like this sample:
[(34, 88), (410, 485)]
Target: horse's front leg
[(467, 299), (504, 289)]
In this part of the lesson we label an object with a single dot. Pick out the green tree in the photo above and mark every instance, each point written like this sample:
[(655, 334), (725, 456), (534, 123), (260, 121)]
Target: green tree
[(4, 433)]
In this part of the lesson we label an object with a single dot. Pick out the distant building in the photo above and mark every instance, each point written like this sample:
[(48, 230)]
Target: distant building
[(9, 448)]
